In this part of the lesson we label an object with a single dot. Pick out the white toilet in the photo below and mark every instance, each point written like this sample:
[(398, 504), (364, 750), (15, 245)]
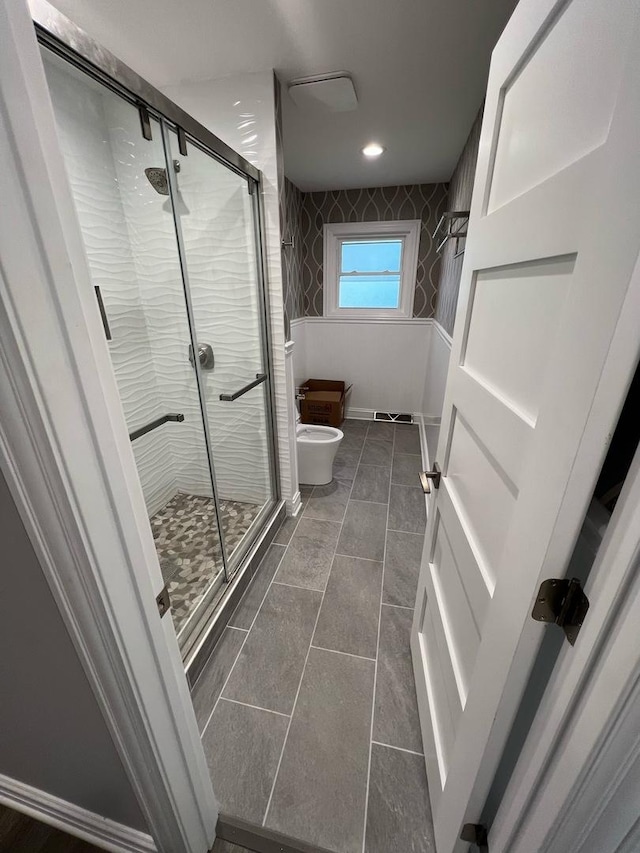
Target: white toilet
[(317, 447)]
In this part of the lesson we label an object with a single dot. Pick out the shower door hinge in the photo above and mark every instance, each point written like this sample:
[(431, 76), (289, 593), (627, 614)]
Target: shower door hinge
[(251, 186), (561, 601), (163, 601), (145, 122), (476, 833)]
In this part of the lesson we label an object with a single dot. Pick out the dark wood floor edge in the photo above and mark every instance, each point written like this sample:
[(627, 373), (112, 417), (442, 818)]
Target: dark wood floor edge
[(260, 839)]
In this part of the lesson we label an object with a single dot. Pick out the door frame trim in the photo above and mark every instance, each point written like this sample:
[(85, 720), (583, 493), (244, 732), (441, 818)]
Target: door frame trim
[(67, 458)]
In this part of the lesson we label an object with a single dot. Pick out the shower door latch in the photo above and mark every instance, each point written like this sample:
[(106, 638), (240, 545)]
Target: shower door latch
[(163, 600), (561, 601)]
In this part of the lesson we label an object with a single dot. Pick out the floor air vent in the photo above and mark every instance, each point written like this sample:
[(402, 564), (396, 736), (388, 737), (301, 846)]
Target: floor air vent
[(395, 417)]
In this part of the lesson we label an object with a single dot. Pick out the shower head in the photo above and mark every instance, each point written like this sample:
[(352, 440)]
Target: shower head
[(158, 179)]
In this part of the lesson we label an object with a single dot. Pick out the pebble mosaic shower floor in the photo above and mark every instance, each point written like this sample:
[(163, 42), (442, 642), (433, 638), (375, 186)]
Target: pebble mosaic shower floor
[(186, 537)]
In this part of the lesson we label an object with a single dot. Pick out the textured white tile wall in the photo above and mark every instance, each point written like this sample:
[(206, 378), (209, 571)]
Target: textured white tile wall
[(82, 127), (242, 111), (132, 251)]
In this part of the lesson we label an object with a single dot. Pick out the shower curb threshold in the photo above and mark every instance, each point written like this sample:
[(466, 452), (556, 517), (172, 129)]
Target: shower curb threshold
[(260, 839)]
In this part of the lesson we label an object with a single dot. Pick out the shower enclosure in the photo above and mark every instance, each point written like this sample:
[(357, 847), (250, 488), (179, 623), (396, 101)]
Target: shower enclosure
[(171, 229)]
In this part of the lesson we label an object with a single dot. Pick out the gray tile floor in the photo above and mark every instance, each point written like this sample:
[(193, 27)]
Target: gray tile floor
[(307, 707)]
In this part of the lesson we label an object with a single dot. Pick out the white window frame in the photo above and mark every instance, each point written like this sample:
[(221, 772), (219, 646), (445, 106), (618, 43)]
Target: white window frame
[(408, 230)]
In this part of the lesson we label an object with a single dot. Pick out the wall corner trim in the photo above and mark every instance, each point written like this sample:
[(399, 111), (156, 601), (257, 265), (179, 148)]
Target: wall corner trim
[(446, 337), (72, 819)]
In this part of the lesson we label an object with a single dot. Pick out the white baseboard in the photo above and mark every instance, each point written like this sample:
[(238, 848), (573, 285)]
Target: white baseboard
[(295, 505), (104, 833)]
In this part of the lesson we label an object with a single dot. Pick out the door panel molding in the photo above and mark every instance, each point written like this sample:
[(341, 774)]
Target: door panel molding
[(549, 439), (541, 789)]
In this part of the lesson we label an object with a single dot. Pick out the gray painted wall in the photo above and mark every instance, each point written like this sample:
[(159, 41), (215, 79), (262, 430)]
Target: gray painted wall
[(52, 733), (459, 198)]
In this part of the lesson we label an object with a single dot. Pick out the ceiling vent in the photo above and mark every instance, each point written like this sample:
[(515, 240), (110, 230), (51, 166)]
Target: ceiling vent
[(331, 92)]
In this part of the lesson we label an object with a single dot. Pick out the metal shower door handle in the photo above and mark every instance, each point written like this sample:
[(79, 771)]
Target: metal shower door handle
[(229, 398)]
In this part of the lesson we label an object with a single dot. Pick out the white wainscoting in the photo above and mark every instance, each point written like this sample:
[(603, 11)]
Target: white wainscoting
[(436, 374), (386, 360)]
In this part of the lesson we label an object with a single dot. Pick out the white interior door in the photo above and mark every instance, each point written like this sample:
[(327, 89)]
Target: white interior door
[(553, 239)]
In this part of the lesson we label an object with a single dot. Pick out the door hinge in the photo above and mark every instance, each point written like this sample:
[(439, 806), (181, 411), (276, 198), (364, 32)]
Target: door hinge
[(163, 601), (476, 833), (562, 601)]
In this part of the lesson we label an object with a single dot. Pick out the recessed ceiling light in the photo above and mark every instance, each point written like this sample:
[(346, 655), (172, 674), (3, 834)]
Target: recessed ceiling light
[(372, 150)]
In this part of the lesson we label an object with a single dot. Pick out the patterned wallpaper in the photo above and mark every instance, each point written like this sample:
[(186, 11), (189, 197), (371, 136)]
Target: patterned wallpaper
[(423, 201), (292, 256), (460, 189)]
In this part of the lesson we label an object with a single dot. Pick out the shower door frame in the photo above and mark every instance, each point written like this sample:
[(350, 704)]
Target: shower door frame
[(61, 36)]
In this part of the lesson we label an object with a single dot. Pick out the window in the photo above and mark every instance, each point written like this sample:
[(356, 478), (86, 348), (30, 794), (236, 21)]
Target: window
[(370, 269)]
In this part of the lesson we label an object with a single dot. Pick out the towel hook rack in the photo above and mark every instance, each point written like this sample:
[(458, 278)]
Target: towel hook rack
[(446, 229)]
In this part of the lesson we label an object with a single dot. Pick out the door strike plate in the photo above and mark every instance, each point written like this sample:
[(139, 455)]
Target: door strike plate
[(476, 833), (163, 601), (562, 601)]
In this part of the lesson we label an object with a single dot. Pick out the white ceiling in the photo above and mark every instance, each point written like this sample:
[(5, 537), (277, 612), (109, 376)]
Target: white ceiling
[(419, 68)]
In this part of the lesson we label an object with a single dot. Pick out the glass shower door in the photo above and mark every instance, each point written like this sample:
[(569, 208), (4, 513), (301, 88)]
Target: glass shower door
[(119, 184), (216, 225)]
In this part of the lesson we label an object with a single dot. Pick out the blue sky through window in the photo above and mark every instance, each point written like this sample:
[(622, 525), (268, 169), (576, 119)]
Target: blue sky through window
[(358, 287), (380, 291), (371, 256)]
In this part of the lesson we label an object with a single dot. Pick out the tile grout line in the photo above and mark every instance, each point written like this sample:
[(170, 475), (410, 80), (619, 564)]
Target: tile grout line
[(338, 652), (393, 529), (399, 606), (245, 639), (399, 748), (256, 707), (296, 586), (304, 668), (351, 557), (253, 621), (375, 671)]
